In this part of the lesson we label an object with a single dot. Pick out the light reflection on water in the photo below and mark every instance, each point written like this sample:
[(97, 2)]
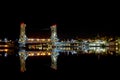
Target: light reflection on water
[(72, 50), (55, 52)]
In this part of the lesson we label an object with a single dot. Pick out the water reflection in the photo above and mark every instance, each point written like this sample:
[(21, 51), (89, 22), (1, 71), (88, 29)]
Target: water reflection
[(5, 52), (54, 57), (23, 56), (56, 51)]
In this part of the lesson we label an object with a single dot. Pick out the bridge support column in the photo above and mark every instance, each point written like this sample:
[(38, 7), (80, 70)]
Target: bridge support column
[(54, 54), (54, 57), (23, 38), (54, 37), (22, 52), (23, 56)]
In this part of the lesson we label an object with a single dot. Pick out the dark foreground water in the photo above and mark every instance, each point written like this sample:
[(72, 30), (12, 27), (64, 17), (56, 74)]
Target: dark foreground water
[(75, 67)]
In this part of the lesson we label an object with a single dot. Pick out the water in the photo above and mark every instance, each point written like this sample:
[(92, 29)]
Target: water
[(74, 64)]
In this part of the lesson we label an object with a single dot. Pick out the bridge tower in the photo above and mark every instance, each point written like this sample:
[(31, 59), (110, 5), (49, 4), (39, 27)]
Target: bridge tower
[(23, 56), (54, 58), (54, 37), (22, 38)]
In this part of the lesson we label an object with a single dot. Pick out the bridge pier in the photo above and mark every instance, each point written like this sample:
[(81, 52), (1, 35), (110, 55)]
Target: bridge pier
[(22, 42), (54, 54), (54, 37), (23, 37), (54, 57), (23, 56)]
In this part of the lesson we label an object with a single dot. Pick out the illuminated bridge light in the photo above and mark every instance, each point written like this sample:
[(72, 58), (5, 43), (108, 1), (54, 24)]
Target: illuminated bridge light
[(43, 53), (4, 45), (49, 40), (38, 53), (31, 54), (4, 50), (42, 39), (38, 40), (49, 53)]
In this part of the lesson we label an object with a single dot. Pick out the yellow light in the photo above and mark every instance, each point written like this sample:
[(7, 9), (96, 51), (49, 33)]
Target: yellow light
[(49, 53), (116, 48), (6, 45), (49, 40), (38, 54), (43, 53), (43, 39), (6, 50), (31, 54), (37, 39)]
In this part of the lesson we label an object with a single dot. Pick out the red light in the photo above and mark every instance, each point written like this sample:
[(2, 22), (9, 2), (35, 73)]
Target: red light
[(22, 23), (54, 25)]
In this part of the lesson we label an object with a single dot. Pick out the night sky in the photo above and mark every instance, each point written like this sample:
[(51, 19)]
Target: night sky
[(73, 20)]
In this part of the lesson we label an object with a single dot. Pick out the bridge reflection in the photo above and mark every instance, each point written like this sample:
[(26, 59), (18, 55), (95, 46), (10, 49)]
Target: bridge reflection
[(23, 54), (39, 53), (46, 51), (55, 52)]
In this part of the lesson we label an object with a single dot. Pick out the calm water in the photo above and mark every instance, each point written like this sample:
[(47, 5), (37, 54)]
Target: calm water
[(72, 64)]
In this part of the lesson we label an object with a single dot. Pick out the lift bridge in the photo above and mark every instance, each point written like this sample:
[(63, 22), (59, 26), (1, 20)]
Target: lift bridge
[(24, 40), (54, 41)]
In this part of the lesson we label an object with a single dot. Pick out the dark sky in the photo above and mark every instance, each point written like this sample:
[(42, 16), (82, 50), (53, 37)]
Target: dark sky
[(74, 19)]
